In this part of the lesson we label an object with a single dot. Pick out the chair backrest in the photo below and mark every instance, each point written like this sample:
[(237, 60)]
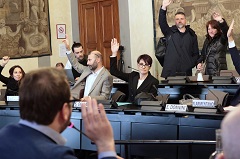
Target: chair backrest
[(163, 98), (118, 96), (218, 96)]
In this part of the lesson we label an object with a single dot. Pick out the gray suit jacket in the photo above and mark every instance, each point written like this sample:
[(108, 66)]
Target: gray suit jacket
[(101, 87)]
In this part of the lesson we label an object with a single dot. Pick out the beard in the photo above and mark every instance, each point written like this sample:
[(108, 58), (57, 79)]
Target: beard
[(93, 66), (180, 26)]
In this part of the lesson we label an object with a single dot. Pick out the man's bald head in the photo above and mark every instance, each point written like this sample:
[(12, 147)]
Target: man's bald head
[(231, 134)]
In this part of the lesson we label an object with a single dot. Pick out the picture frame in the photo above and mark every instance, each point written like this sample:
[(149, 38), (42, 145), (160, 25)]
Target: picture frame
[(61, 31)]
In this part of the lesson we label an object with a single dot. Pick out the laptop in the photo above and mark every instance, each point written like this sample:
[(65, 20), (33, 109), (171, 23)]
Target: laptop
[(70, 77)]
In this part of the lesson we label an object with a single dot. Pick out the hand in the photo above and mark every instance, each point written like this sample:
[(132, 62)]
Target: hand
[(5, 60), (97, 126), (114, 47), (166, 3), (66, 42), (216, 16), (230, 29)]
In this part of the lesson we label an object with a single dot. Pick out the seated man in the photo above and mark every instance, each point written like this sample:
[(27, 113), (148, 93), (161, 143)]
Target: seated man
[(45, 111), (96, 81), (230, 130)]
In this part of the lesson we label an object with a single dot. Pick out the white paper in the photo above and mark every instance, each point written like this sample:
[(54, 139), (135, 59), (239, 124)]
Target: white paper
[(62, 50)]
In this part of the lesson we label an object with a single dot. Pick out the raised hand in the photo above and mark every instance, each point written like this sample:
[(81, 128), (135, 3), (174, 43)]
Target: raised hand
[(114, 47), (216, 16), (97, 126), (5, 60), (66, 42), (166, 3), (230, 29)]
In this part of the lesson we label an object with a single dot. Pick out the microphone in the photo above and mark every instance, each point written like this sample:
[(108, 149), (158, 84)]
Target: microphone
[(133, 69), (218, 106), (71, 125), (162, 98)]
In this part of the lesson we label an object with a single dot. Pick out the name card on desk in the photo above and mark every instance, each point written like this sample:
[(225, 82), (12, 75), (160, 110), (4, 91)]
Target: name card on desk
[(12, 98), (203, 103), (176, 107)]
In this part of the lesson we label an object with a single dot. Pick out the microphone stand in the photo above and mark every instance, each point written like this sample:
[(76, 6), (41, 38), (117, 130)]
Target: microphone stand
[(218, 106), (121, 61), (163, 102)]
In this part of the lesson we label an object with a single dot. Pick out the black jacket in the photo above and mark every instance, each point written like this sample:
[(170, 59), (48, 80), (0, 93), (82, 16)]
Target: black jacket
[(182, 48), (12, 84), (214, 52), (132, 79)]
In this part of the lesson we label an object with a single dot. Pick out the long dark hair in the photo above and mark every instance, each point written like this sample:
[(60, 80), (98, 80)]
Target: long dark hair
[(214, 24), (12, 69)]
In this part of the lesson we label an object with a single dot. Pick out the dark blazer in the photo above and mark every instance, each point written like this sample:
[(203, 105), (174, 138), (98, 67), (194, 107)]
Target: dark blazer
[(12, 84), (22, 142), (132, 79), (236, 62)]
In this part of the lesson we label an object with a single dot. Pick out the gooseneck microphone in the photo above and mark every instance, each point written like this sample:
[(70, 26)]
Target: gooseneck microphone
[(71, 125), (133, 68), (218, 106), (162, 98)]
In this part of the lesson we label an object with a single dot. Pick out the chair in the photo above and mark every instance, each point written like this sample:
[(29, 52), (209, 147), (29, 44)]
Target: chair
[(118, 96), (163, 98), (219, 97)]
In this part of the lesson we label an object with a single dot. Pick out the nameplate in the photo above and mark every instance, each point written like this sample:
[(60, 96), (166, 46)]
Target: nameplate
[(12, 98), (78, 104), (176, 107), (203, 103)]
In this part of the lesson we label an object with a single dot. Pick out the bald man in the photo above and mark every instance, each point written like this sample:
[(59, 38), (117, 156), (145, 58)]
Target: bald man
[(230, 135), (95, 81)]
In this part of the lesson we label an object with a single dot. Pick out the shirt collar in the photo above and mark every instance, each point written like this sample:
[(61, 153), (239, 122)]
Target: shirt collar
[(96, 73), (54, 135)]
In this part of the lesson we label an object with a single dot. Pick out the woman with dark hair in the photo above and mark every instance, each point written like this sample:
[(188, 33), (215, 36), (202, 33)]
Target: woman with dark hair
[(141, 81), (213, 55), (16, 74)]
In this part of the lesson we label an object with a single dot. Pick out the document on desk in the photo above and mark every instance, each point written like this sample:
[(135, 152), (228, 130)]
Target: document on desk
[(123, 103)]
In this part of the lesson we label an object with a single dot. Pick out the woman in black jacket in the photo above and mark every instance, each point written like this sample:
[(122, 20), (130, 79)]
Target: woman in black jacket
[(213, 55), (141, 81), (12, 82)]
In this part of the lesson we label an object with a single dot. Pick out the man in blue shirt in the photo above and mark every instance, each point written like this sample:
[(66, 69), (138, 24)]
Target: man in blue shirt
[(45, 111)]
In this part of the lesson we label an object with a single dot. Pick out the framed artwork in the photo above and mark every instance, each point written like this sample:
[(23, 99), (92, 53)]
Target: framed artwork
[(198, 13), (24, 28)]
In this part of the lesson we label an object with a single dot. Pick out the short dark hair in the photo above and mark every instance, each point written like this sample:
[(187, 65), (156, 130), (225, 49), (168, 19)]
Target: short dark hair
[(182, 13), (214, 24), (42, 94), (146, 58), (76, 45), (11, 70)]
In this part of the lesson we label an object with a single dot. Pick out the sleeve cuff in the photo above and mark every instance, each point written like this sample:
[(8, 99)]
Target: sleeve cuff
[(107, 154), (231, 44), (68, 51)]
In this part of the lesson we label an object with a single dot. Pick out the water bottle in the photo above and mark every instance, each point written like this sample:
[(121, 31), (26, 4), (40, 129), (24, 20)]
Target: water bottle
[(218, 145)]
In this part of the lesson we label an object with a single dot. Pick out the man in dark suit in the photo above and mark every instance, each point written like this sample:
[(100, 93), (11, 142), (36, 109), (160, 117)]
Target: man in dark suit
[(45, 111)]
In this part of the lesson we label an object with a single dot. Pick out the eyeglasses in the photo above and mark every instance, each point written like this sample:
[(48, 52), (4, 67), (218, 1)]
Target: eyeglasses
[(72, 101), (143, 65)]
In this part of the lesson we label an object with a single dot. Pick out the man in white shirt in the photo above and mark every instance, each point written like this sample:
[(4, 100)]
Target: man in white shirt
[(95, 81)]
